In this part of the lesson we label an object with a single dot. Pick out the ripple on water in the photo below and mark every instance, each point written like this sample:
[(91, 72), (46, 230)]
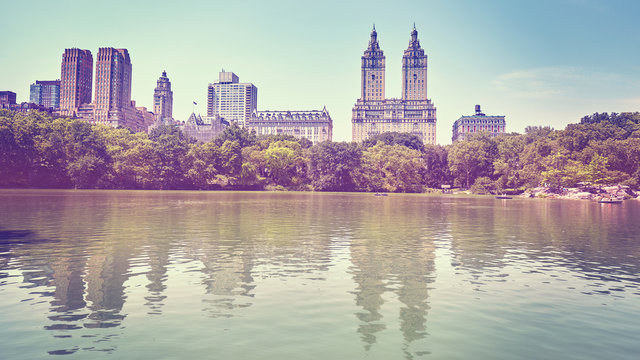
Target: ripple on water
[(333, 275)]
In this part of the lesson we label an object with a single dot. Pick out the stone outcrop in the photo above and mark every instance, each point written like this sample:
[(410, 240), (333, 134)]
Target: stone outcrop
[(617, 192)]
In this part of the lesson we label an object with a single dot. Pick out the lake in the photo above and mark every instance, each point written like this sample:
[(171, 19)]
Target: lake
[(279, 275)]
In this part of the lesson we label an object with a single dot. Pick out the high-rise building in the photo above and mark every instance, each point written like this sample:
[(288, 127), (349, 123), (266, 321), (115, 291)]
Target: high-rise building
[(467, 125), (113, 86), (7, 99), (112, 104), (45, 93), (232, 100), (373, 71), (75, 83), (314, 125), (414, 113), (414, 70), (163, 99)]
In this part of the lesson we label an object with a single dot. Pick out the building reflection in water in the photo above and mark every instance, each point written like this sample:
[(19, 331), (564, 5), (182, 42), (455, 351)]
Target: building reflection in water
[(158, 260), (83, 255), (243, 239), (383, 265)]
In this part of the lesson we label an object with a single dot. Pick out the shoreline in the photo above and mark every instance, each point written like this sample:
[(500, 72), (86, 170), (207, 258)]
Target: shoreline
[(595, 194), (591, 193)]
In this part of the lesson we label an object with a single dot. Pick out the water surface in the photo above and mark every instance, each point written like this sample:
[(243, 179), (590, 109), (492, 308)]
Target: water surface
[(236, 275)]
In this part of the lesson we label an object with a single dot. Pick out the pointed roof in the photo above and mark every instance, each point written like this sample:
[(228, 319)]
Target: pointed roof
[(373, 42), (373, 50), (414, 49), (414, 43)]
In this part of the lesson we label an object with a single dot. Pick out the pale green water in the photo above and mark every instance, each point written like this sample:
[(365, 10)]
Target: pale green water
[(190, 275)]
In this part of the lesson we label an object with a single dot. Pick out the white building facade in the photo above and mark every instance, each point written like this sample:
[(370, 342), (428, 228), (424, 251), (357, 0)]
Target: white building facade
[(232, 100), (314, 125)]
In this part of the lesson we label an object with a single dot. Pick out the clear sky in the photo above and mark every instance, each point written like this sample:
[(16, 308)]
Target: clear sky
[(544, 62)]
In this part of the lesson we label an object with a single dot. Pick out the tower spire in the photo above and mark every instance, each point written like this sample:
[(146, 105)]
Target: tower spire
[(414, 43), (373, 43)]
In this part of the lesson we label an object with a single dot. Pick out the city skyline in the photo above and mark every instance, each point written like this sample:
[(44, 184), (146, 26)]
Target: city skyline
[(544, 64)]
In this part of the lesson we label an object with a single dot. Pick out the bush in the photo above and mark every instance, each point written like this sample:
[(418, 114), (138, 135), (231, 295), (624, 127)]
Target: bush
[(483, 186)]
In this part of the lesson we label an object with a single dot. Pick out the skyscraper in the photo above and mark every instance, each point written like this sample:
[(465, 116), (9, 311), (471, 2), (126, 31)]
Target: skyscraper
[(373, 69), (113, 86), (232, 100), (414, 113), (45, 93), (75, 83), (163, 99), (414, 70)]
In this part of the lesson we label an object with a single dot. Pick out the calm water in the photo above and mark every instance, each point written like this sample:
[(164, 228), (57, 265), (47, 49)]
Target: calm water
[(168, 275)]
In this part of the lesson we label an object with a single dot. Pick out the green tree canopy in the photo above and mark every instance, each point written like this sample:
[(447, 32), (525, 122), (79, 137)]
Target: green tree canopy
[(411, 141), (333, 165)]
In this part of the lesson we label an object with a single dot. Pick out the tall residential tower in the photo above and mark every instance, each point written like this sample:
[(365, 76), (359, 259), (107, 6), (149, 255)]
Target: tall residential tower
[(414, 70), (232, 100), (75, 83), (163, 99), (113, 86), (414, 113), (373, 67)]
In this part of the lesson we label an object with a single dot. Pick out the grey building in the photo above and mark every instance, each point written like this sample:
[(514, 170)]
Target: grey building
[(467, 125), (230, 99), (203, 129), (45, 93)]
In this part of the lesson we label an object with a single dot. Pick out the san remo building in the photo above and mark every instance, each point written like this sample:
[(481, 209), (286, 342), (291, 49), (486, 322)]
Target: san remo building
[(414, 113)]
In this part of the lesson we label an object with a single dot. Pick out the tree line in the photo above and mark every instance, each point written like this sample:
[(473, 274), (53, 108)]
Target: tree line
[(38, 150)]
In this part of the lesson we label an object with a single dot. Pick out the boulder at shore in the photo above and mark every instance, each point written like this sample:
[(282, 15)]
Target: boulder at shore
[(616, 192)]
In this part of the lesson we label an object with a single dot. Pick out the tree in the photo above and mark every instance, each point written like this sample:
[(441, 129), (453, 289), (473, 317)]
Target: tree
[(436, 166), (85, 171), (203, 165), (395, 138), (629, 122), (472, 158), (392, 168), (333, 166), (170, 152), (597, 172), (234, 132), (484, 186), (561, 171), (166, 129), (17, 149), (285, 163), (508, 166)]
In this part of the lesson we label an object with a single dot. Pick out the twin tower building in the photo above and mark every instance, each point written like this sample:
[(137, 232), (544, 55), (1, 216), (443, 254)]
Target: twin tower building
[(414, 113)]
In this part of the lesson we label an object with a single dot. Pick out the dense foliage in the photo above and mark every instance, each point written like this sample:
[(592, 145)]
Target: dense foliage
[(37, 150)]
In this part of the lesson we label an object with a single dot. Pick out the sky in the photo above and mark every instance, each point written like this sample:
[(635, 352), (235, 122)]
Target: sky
[(539, 63)]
